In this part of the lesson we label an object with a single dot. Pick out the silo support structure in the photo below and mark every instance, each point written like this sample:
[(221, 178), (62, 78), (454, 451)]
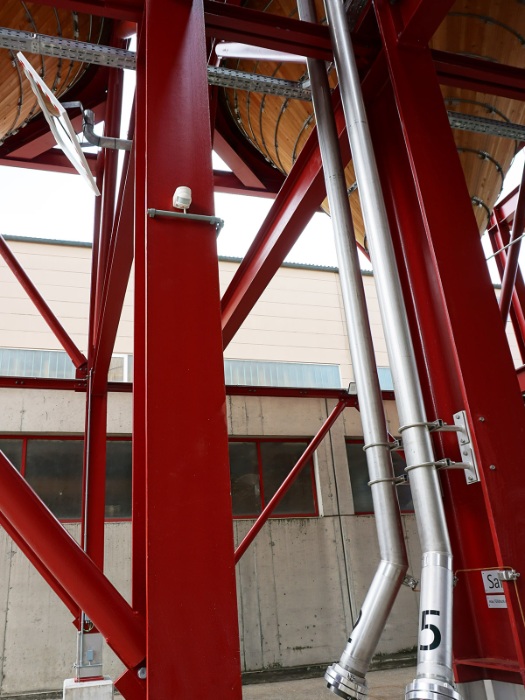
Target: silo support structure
[(181, 442), (348, 676), (434, 668), (448, 292)]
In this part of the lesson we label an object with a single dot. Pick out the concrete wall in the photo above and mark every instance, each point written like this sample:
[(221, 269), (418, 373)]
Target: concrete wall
[(300, 584)]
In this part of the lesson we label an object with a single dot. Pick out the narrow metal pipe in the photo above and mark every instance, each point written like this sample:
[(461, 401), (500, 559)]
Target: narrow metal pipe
[(347, 677), (434, 668), (283, 488), (511, 268), (88, 129)]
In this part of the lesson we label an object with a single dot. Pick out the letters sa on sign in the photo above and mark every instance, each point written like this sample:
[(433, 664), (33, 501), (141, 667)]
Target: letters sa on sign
[(494, 590)]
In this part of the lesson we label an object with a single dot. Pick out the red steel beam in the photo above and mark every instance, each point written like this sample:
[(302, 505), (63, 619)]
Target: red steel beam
[(109, 189), (508, 281), (479, 75), (499, 236), (78, 359), (70, 566), (282, 392), (449, 296), (40, 567), (44, 140), (417, 20), (138, 445), (300, 196), (128, 10), (185, 608), (505, 210), (244, 160), (131, 687), (94, 472), (229, 183), (287, 483), (116, 283), (235, 23), (52, 161)]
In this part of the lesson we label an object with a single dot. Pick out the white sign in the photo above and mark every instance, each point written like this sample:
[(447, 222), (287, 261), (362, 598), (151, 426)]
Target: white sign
[(491, 582), (494, 589), (496, 601)]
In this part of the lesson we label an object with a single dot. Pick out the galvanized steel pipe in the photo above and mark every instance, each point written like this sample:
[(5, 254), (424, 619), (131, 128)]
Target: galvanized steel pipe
[(434, 668), (349, 673)]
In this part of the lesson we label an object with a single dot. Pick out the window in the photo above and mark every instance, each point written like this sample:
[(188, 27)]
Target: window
[(257, 469), (292, 374), (56, 364), (53, 467), (385, 379), (359, 479)]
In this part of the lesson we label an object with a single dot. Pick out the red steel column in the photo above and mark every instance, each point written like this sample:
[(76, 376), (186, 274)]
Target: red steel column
[(138, 559), (513, 253), (192, 628), (466, 351)]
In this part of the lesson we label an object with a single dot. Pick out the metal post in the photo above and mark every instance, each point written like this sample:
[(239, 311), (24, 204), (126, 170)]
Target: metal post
[(434, 670), (513, 253), (294, 473), (347, 677), (190, 593)]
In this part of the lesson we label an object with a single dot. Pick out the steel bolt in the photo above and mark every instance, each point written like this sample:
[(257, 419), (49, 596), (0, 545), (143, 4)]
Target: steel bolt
[(481, 419), (141, 673), (493, 467)]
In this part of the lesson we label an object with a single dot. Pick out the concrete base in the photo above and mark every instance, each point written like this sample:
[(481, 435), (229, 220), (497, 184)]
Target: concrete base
[(88, 690)]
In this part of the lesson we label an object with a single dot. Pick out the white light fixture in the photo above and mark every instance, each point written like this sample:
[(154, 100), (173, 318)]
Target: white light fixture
[(182, 198)]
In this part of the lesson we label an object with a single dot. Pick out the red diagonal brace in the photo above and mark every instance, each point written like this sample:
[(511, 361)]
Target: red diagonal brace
[(284, 487), (49, 317), (300, 196), (44, 535), (297, 201), (513, 253), (39, 566), (116, 282), (130, 10), (130, 686)]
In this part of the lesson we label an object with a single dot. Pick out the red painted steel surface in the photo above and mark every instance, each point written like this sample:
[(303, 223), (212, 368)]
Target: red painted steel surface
[(235, 23), (77, 358), (297, 201), (70, 566), (190, 574), (294, 473), (450, 285), (479, 75), (510, 273), (498, 233), (129, 10), (138, 534)]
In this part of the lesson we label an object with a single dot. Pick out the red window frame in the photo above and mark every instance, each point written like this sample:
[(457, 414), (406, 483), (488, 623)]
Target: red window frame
[(62, 438), (309, 465)]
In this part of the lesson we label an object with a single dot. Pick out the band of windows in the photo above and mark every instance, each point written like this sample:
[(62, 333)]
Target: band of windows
[(258, 466)]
